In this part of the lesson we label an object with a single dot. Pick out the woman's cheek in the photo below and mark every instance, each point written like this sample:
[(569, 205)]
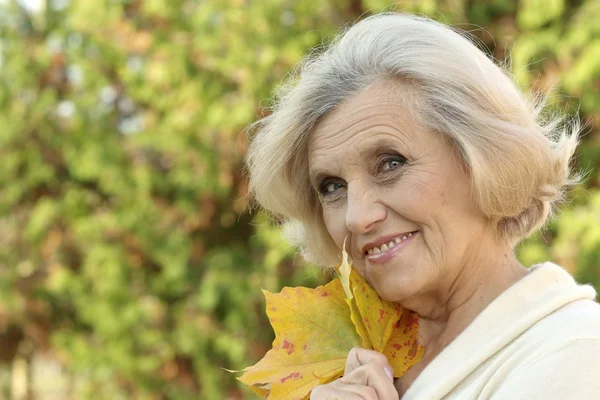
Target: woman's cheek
[(334, 222)]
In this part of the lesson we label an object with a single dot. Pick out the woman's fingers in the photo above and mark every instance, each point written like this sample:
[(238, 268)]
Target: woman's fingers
[(373, 377), (358, 357), (339, 390), (334, 391), (368, 376)]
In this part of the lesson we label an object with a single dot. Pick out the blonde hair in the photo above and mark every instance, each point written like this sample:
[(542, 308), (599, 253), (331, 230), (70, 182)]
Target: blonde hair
[(517, 159)]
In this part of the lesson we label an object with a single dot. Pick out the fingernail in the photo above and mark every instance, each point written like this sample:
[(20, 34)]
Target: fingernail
[(390, 373)]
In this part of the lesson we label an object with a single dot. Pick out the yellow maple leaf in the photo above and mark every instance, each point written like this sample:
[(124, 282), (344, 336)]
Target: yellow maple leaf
[(313, 335), (315, 329)]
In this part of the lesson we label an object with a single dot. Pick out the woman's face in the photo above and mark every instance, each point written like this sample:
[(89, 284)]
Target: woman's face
[(397, 192)]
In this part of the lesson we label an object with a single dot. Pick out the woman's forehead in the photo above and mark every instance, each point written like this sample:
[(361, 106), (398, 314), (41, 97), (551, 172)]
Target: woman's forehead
[(367, 116), (374, 102)]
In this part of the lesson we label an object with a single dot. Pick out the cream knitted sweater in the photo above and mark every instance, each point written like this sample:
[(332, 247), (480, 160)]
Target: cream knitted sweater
[(540, 339)]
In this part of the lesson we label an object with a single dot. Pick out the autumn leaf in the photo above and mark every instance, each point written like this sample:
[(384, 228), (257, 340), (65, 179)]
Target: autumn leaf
[(313, 336), (315, 329)]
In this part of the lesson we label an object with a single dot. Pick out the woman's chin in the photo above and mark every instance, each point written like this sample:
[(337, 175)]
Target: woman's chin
[(397, 284)]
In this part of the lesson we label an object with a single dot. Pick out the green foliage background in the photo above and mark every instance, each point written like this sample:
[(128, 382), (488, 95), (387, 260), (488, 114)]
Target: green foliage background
[(126, 247)]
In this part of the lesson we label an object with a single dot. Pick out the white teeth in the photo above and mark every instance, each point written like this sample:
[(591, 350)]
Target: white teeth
[(387, 246)]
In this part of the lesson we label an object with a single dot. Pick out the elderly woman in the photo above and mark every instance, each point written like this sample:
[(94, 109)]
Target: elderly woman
[(405, 140)]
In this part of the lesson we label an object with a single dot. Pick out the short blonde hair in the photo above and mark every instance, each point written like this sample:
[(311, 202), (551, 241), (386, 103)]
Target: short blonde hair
[(518, 159)]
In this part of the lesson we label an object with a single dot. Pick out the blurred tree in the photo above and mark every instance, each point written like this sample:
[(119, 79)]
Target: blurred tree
[(125, 244)]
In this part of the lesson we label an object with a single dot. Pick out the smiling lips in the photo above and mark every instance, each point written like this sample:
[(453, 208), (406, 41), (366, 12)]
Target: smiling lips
[(389, 245), (385, 251)]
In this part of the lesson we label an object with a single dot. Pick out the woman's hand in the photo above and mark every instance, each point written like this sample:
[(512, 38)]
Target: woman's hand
[(368, 376)]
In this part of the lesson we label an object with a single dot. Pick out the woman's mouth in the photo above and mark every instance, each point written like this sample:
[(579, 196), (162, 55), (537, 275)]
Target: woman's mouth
[(386, 251)]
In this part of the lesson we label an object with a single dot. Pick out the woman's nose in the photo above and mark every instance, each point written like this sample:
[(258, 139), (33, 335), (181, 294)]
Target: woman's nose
[(364, 211)]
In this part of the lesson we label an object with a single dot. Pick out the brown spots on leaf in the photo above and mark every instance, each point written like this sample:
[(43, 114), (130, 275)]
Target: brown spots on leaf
[(293, 375), (381, 314), (324, 294), (412, 319), (289, 346), (397, 346), (413, 351), (304, 347)]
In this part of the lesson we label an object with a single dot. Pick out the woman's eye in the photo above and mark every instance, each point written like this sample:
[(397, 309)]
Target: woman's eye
[(391, 164), (330, 187)]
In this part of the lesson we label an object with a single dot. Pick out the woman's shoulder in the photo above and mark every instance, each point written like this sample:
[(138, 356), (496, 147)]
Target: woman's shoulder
[(558, 357), (569, 309), (583, 314), (561, 359), (576, 314), (575, 321)]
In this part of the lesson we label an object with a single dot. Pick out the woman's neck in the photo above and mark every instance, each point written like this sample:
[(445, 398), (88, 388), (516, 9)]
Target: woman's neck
[(445, 314), (473, 290)]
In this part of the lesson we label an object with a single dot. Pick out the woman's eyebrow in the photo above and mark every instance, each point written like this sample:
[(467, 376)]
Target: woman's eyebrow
[(376, 147)]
